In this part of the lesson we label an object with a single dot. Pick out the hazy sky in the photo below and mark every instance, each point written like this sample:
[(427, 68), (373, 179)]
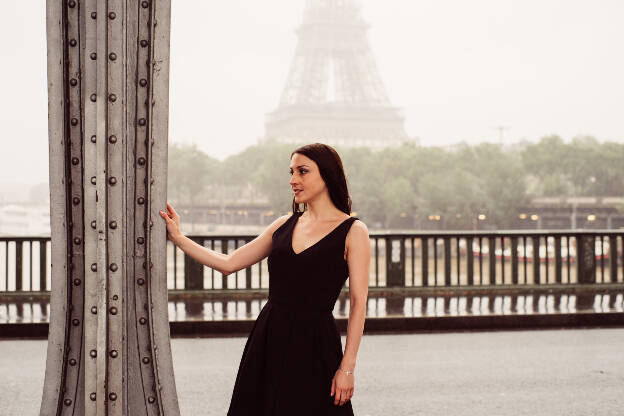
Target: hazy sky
[(457, 69)]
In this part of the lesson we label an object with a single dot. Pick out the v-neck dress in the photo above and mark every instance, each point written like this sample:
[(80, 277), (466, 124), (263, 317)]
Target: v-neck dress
[(294, 348)]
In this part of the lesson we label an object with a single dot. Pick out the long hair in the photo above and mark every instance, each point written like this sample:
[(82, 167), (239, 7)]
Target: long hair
[(332, 172)]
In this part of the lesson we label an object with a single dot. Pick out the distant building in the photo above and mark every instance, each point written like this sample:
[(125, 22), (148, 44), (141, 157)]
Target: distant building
[(23, 220)]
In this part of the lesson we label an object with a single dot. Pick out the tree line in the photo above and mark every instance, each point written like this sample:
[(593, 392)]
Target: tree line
[(453, 185)]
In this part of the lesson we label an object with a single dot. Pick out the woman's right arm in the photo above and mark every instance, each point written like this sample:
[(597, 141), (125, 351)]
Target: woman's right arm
[(242, 257)]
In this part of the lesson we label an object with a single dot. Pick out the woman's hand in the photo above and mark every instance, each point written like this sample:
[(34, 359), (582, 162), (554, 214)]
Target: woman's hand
[(342, 387), (173, 223)]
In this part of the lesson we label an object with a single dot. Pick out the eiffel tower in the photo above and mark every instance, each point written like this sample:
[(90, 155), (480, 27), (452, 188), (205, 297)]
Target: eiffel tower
[(334, 93)]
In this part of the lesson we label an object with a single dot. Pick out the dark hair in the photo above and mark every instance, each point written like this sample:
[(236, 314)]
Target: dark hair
[(332, 172)]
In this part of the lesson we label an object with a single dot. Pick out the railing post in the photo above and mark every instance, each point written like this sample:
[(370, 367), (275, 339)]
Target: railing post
[(18, 265), (514, 260), (395, 262), (470, 260), (193, 270), (586, 259), (43, 265), (424, 261), (447, 261)]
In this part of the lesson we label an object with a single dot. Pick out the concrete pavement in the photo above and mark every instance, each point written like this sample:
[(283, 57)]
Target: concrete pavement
[(547, 372)]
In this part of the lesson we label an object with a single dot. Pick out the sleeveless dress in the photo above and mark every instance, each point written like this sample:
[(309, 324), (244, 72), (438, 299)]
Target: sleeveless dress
[(294, 347)]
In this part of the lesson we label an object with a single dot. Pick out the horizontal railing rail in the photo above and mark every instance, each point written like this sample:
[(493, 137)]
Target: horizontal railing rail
[(422, 261)]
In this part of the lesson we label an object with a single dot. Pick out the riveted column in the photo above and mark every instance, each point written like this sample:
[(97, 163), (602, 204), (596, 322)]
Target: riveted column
[(109, 350)]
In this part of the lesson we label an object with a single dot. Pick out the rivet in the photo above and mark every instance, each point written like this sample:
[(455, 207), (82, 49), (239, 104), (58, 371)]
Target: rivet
[(151, 399), (93, 139), (112, 396), (77, 240), (75, 160), (71, 267), (115, 297), (73, 82), (77, 282), (67, 402), (141, 122), (146, 360), (151, 180), (71, 4), (76, 200), (72, 361), (113, 267), (73, 42), (151, 223), (140, 240), (112, 139), (141, 161), (113, 310), (112, 56), (93, 180), (113, 353), (143, 43), (113, 225), (93, 56), (140, 281), (145, 4), (94, 267), (144, 264), (93, 224), (93, 97), (143, 82), (71, 224), (112, 98), (94, 310), (93, 353), (112, 15), (92, 396), (75, 322), (141, 200), (93, 15), (74, 121), (142, 321), (112, 180)]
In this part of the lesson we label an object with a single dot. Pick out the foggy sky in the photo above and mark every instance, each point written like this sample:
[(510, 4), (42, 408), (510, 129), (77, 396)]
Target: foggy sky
[(457, 69)]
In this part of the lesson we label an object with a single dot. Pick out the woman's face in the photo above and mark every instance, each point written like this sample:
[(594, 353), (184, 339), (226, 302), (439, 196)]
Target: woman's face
[(306, 178)]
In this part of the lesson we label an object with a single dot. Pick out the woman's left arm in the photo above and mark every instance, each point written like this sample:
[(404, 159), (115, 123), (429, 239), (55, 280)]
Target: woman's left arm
[(358, 259)]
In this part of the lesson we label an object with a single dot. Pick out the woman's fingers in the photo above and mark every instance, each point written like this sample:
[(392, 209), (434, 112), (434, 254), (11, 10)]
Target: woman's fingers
[(339, 397), (171, 210), (332, 387)]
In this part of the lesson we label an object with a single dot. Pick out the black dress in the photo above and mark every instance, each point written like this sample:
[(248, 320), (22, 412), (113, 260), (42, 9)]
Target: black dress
[(294, 347)]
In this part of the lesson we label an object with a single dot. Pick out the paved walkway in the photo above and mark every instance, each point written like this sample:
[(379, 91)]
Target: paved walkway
[(550, 372)]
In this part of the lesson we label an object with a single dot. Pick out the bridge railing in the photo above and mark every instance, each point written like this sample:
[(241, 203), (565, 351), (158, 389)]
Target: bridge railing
[(435, 262)]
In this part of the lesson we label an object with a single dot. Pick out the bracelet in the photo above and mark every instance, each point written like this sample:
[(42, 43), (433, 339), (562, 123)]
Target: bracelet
[(345, 371)]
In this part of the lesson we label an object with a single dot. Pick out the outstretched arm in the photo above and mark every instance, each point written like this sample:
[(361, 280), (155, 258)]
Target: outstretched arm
[(242, 257)]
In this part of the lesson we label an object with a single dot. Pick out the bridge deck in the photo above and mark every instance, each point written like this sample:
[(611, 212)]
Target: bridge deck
[(546, 372)]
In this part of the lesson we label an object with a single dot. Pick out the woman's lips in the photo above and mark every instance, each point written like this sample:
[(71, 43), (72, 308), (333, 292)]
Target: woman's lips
[(297, 191)]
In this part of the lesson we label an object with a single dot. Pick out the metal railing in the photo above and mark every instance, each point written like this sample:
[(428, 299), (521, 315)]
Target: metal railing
[(427, 262)]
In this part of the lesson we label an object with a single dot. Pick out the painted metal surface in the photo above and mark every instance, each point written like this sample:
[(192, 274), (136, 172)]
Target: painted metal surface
[(108, 78)]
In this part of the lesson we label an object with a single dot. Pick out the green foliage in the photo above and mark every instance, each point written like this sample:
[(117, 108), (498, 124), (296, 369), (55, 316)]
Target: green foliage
[(457, 185)]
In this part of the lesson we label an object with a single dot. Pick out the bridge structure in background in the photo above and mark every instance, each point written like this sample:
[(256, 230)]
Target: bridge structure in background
[(421, 281), (108, 104)]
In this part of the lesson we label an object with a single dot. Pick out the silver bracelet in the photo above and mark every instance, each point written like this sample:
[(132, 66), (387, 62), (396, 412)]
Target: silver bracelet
[(345, 371)]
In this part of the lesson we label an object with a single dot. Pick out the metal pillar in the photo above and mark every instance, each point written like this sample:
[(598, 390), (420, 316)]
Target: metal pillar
[(108, 79)]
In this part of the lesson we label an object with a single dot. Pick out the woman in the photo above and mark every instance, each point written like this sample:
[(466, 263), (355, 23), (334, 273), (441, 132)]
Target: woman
[(293, 363)]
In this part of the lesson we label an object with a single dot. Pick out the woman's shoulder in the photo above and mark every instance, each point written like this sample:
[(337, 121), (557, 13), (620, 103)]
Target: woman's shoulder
[(280, 222), (358, 228)]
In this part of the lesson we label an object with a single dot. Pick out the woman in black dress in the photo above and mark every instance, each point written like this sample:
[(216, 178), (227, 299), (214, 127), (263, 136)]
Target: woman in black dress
[(293, 363)]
